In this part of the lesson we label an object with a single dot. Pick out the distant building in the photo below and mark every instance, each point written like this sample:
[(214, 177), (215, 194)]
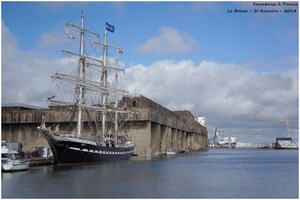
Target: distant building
[(200, 120), (244, 145)]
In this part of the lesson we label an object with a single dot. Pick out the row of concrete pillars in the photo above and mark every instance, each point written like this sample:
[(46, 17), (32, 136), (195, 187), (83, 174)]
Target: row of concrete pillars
[(164, 138)]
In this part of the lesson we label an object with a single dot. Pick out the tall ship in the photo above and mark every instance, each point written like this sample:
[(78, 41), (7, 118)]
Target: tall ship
[(95, 87), (221, 141)]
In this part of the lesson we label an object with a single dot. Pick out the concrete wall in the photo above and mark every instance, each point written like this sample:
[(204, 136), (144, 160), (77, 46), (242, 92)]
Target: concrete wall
[(27, 134)]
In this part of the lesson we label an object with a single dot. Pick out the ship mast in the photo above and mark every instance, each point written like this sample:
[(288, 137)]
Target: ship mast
[(80, 99), (116, 105), (104, 81)]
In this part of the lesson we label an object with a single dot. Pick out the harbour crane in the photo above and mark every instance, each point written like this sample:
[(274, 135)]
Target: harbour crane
[(287, 121)]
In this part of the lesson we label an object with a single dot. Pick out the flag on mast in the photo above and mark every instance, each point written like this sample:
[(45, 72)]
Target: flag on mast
[(109, 27)]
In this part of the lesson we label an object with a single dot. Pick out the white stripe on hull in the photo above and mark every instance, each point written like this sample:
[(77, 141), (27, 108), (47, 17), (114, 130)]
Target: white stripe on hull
[(100, 152)]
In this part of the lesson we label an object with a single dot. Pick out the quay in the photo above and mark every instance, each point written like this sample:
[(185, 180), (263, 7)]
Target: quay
[(40, 161), (153, 128)]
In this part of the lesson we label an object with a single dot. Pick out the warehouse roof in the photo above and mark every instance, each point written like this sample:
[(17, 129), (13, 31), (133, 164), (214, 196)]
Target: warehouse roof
[(21, 106)]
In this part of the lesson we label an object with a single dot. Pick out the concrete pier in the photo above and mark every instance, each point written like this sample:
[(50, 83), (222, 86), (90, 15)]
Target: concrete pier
[(153, 128)]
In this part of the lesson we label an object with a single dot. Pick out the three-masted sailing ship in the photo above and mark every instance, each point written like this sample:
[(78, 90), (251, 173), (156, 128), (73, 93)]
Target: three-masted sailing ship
[(108, 143)]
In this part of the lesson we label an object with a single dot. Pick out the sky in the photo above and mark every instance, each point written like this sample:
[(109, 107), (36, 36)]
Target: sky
[(239, 70)]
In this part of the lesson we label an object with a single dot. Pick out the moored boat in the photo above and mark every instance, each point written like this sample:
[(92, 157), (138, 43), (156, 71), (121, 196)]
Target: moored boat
[(9, 162), (170, 153), (221, 141), (15, 165), (285, 143)]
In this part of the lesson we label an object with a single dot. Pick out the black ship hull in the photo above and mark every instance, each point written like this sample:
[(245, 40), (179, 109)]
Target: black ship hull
[(69, 151)]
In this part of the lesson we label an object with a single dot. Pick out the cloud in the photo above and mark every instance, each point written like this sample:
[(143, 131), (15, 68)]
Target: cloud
[(9, 40), (118, 6), (168, 41), (53, 6), (25, 75), (58, 6), (228, 95), (54, 39), (234, 89)]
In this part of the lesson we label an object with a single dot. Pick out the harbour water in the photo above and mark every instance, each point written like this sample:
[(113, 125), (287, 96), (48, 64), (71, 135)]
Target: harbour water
[(217, 173)]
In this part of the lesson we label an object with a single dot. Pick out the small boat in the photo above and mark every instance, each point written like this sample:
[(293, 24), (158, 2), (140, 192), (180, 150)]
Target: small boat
[(171, 152), (15, 165), (181, 150), (9, 161), (6, 155)]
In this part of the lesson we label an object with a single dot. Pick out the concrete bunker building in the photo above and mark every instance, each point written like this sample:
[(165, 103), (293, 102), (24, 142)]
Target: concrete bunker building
[(153, 128)]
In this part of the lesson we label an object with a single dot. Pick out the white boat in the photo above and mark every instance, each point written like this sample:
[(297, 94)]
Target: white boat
[(227, 142), (171, 152), (15, 165), (6, 151), (9, 162), (220, 141), (6, 155), (285, 143)]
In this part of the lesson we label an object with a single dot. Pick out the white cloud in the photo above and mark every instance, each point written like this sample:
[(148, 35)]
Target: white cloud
[(54, 39), (227, 95), (168, 41), (57, 6), (25, 75)]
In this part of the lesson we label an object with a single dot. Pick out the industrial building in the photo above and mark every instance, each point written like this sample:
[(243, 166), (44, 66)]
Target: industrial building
[(152, 127)]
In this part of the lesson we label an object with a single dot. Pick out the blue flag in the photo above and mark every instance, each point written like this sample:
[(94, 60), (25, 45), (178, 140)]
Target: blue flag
[(109, 27)]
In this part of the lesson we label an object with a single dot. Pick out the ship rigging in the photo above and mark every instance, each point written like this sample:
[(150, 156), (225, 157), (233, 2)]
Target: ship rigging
[(70, 147)]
